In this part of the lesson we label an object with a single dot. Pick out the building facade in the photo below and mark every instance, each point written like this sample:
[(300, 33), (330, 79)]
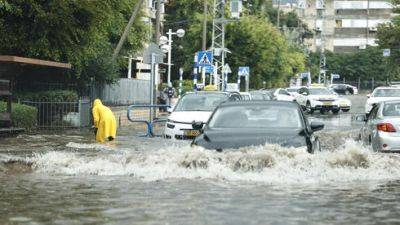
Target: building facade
[(343, 26)]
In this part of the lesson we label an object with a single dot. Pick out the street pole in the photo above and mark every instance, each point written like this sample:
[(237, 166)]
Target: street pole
[(130, 67), (158, 22), (367, 33), (278, 16), (247, 82), (127, 29), (152, 76), (180, 82), (204, 47), (169, 56)]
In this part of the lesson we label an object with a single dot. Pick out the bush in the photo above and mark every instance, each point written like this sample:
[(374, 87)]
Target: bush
[(57, 96), (23, 116)]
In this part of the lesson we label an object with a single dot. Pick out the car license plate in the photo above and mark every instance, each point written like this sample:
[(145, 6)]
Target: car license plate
[(328, 103), (192, 133)]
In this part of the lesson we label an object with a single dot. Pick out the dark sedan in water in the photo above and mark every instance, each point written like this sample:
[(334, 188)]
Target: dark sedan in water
[(239, 124)]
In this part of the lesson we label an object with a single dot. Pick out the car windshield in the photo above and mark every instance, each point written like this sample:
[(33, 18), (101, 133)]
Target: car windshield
[(319, 91), (256, 116), (386, 93), (200, 102), (292, 90), (391, 109)]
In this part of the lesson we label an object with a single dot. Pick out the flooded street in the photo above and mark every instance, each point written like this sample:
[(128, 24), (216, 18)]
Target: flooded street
[(68, 179)]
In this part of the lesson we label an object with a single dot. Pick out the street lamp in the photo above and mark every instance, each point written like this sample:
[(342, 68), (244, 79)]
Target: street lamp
[(166, 46)]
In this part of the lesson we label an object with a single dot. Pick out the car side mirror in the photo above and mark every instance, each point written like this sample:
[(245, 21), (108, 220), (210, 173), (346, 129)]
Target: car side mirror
[(316, 126), (197, 125), (361, 118)]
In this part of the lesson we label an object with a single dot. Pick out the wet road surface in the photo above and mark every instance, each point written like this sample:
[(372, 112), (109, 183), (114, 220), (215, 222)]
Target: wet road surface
[(66, 178)]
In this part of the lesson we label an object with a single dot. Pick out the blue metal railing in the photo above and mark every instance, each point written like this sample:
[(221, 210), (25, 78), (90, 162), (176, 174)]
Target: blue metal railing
[(149, 124)]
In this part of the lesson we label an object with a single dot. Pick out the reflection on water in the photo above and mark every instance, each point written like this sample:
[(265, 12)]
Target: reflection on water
[(68, 179)]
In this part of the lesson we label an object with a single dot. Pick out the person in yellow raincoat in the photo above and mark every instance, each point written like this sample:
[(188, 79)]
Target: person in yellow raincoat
[(104, 122)]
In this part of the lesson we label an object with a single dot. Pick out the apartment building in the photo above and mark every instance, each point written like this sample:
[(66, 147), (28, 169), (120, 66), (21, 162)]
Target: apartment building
[(341, 25)]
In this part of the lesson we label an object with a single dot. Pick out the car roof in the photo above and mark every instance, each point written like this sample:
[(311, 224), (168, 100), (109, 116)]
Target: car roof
[(255, 103)]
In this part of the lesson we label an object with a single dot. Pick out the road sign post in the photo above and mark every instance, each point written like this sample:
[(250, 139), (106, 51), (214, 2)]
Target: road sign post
[(245, 72), (226, 70), (180, 81)]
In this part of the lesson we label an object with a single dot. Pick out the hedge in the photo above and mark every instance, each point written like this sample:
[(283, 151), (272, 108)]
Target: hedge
[(23, 116), (55, 96)]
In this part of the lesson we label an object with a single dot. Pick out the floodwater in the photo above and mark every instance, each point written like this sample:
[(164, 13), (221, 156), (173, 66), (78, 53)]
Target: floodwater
[(66, 178)]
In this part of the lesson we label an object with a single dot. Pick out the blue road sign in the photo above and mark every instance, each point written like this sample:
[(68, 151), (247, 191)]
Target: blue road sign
[(244, 71), (204, 58), (209, 69)]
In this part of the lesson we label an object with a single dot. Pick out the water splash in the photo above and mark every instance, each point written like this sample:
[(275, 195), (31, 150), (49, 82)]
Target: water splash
[(269, 164)]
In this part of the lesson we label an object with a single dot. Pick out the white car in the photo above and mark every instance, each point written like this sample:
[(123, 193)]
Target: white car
[(293, 91), (281, 94), (192, 107), (318, 98), (381, 94)]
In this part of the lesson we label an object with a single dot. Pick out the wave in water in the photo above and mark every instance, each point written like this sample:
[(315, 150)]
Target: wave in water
[(267, 164)]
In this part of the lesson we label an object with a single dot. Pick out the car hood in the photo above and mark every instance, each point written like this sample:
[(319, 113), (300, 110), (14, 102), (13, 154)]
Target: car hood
[(371, 101), (190, 116), (234, 139)]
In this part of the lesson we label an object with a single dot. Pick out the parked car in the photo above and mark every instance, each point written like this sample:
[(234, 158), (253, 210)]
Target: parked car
[(318, 98), (261, 95), (281, 94), (293, 91), (239, 124), (344, 103), (246, 96), (381, 129), (381, 94), (344, 89), (194, 106)]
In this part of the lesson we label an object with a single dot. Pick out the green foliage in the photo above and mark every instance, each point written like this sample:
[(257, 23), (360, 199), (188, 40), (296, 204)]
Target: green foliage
[(388, 37), (258, 44), (23, 116), (253, 40), (187, 86), (80, 32), (57, 96), (364, 64)]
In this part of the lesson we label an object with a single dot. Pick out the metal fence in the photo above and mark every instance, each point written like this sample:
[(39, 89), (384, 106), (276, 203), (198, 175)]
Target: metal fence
[(124, 92), (367, 85), (61, 115)]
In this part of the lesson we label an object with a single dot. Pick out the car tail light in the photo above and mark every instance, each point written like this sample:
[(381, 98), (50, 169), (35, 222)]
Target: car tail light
[(386, 127)]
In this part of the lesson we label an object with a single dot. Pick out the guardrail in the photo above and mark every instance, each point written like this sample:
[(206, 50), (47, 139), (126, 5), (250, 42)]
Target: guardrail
[(149, 123)]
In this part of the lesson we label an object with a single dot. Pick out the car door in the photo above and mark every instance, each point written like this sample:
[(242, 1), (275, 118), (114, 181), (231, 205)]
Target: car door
[(370, 125)]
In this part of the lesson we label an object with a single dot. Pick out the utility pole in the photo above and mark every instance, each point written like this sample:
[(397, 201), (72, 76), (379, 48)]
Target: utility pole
[(278, 16), (367, 33), (204, 46), (218, 38), (158, 22), (127, 29)]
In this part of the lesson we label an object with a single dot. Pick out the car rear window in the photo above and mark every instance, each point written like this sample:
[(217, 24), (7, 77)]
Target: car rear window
[(391, 109)]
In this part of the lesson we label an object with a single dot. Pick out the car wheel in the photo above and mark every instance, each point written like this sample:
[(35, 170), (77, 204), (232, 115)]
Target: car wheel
[(345, 110), (335, 111), (322, 111), (309, 109)]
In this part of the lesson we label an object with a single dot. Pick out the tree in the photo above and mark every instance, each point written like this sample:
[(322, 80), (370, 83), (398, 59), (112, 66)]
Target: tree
[(266, 51), (388, 37), (80, 32)]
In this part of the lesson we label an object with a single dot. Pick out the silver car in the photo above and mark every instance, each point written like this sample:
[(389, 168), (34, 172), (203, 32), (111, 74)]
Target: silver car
[(382, 127)]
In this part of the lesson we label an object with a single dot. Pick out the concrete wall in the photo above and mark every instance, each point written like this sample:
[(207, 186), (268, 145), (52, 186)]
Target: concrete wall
[(125, 92)]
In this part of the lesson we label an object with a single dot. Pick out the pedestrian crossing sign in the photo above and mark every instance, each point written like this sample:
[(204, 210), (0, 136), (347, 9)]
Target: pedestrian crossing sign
[(244, 71), (204, 58)]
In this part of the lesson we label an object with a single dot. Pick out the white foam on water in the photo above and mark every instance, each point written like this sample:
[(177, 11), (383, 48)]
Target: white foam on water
[(95, 146), (267, 164)]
